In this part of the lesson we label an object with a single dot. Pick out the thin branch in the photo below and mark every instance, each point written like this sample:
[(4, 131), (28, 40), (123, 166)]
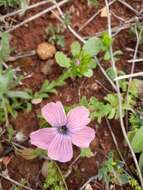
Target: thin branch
[(123, 2), (120, 98), (27, 8), (71, 167), (116, 29), (115, 142), (15, 182), (136, 51), (135, 60), (37, 15), (22, 55), (93, 17), (128, 76), (88, 181), (138, 37)]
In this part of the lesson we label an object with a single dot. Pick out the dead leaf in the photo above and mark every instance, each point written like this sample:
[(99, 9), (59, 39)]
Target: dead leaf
[(27, 153), (104, 12), (44, 169)]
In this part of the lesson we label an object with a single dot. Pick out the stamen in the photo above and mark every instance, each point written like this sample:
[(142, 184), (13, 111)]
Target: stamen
[(63, 130)]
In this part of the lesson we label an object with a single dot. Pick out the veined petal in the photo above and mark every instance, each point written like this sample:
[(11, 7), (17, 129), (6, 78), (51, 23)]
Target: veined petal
[(43, 137), (60, 148), (78, 117), (54, 114), (83, 137)]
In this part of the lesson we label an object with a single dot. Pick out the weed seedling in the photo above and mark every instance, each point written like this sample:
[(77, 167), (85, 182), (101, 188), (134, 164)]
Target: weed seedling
[(80, 64), (55, 35), (8, 93), (112, 172), (50, 87)]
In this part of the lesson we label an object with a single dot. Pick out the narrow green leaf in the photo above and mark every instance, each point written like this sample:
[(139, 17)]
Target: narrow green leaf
[(5, 47), (141, 161), (137, 142), (18, 94)]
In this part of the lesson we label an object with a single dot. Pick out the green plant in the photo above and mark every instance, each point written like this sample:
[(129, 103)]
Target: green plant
[(137, 29), (9, 3), (23, 182), (4, 47), (134, 184), (67, 19), (55, 35), (136, 120), (107, 108), (13, 3), (11, 133), (86, 152), (54, 180), (95, 45), (113, 172), (135, 134), (9, 95), (136, 138), (50, 87), (92, 3), (80, 64)]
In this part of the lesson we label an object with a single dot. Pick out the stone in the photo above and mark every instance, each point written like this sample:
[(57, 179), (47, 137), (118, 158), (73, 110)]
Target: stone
[(46, 51)]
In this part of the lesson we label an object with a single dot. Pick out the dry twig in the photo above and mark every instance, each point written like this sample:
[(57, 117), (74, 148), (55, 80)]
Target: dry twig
[(120, 99)]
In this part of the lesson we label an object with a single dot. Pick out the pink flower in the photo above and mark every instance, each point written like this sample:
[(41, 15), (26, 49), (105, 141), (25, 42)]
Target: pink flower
[(66, 130)]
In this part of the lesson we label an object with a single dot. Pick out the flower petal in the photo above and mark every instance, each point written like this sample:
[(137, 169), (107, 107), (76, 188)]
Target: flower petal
[(60, 148), (43, 137), (54, 113), (78, 117), (83, 137)]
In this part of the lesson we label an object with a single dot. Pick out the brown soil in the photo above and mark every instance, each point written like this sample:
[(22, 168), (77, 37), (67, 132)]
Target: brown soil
[(27, 38)]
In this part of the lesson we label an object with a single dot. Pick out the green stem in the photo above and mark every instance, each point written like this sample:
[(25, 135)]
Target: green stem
[(65, 75), (63, 179), (5, 111)]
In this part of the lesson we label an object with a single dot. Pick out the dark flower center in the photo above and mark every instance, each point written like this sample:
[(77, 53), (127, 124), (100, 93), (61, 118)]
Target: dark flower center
[(63, 130)]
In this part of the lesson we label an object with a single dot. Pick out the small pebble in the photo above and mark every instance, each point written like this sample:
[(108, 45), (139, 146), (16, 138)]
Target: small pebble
[(46, 51), (94, 86), (36, 101), (20, 137)]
